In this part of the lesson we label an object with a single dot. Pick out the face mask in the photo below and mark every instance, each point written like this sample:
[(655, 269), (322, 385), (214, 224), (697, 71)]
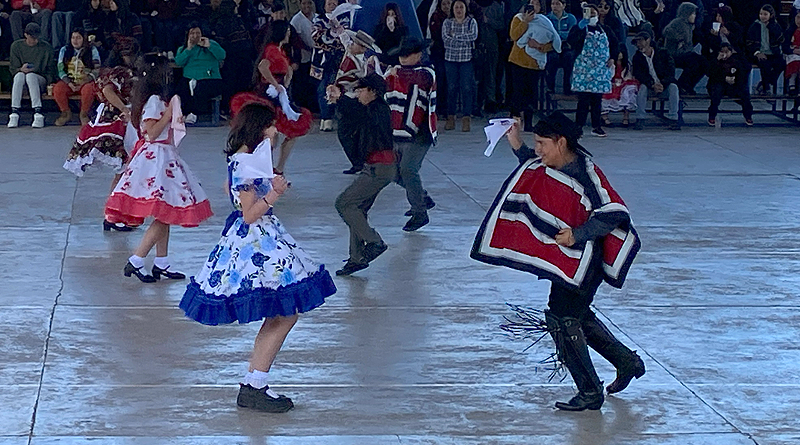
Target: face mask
[(593, 21), (390, 21)]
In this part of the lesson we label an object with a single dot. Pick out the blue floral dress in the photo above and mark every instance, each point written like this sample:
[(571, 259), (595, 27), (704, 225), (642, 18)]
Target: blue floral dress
[(590, 73), (256, 270)]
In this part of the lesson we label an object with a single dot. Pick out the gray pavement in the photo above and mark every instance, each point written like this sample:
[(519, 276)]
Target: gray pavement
[(409, 351)]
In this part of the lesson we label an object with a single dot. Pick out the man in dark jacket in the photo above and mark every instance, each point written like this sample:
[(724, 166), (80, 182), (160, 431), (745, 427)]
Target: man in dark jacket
[(728, 77), (679, 44), (374, 143), (655, 70)]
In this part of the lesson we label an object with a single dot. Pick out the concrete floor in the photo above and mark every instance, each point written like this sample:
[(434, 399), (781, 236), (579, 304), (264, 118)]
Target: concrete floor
[(409, 351)]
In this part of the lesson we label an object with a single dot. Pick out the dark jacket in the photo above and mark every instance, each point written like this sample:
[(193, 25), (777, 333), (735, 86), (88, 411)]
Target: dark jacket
[(735, 36), (662, 63), (734, 66), (577, 36), (373, 122), (678, 34), (753, 42)]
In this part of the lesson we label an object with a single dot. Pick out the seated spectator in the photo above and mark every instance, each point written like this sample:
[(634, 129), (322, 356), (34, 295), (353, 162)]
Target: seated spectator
[(27, 11), (671, 8), (166, 22), (200, 59), (764, 40), (61, 21), (390, 29), (230, 31), (728, 76), (459, 34), (78, 67), (724, 29), (679, 44), (791, 52), (118, 23), (143, 11), (624, 88), (563, 23), (630, 13), (32, 65), (90, 18), (5, 28), (303, 85), (654, 68)]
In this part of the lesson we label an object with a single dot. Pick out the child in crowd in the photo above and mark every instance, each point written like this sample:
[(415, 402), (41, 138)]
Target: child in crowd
[(156, 182), (624, 88), (764, 40), (256, 271)]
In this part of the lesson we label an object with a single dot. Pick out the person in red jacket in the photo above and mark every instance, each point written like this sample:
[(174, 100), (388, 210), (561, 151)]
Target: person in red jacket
[(26, 11)]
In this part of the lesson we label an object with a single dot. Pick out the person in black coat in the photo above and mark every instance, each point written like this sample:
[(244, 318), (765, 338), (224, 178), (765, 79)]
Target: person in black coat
[(766, 53), (662, 84), (728, 74), (729, 31)]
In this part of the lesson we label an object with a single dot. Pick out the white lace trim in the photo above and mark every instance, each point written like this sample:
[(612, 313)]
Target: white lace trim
[(77, 165)]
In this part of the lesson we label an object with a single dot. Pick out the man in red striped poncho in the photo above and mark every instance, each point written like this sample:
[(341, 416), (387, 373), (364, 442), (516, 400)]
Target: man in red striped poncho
[(558, 218)]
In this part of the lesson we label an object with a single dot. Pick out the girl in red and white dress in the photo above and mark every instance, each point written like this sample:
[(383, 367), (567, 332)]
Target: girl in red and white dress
[(156, 181)]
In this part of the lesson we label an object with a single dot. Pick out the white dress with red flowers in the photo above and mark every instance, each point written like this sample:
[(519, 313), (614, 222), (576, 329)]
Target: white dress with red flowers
[(157, 182)]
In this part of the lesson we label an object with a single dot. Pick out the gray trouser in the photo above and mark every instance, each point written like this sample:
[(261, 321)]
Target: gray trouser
[(36, 85), (21, 18), (411, 156), (674, 101), (61, 25), (356, 200)]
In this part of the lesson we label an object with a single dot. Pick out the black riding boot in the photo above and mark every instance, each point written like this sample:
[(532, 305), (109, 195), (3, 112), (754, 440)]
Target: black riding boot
[(627, 362), (574, 353)]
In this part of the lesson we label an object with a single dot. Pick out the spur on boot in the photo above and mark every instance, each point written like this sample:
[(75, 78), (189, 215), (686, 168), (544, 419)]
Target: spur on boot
[(158, 272), (582, 401), (137, 271), (259, 400), (633, 368), (108, 226)]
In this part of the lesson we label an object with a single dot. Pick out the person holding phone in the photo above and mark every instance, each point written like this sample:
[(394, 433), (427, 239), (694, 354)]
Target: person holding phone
[(200, 59), (31, 64)]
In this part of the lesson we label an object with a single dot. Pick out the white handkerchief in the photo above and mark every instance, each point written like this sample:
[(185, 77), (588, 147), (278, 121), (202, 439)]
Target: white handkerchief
[(284, 100), (345, 7), (100, 109), (496, 129), (177, 126), (257, 164), (131, 137)]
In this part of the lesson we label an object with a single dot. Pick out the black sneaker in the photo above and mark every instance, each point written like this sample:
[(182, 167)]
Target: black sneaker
[(599, 132), (416, 222), (429, 204), (374, 250), (352, 170), (351, 267), (258, 400)]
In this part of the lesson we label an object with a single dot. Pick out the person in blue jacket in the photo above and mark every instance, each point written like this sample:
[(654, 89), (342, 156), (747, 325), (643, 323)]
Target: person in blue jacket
[(563, 22)]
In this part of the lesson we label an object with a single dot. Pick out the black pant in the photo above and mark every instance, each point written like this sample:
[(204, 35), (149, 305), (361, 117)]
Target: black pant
[(717, 90), (588, 102), (524, 89), (565, 60), (237, 74), (771, 68), (203, 92), (304, 88), (694, 68)]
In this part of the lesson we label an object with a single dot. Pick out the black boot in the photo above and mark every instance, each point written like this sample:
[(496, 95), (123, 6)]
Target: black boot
[(627, 362), (574, 353)]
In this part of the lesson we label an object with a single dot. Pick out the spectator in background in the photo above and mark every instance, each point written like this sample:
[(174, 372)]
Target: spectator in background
[(328, 53), (630, 14), (791, 52), (679, 44), (5, 28), (31, 64), (90, 18), (728, 76), (61, 21), (230, 31), (764, 40), (724, 29), (655, 70), (608, 18), (78, 67), (142, 10), (459, 33), (671, 12), (390, 29), (425, 11), (624, 88), (492, 35), (563, 22), (264, 32), (27, 11), (303, 85), (437, 52), (166, 23), (200, 59)]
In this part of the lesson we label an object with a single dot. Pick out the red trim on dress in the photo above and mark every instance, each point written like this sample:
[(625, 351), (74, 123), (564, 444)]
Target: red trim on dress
[(125, 209)]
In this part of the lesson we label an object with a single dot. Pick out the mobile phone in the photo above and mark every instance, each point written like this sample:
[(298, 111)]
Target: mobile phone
[(529, 9)]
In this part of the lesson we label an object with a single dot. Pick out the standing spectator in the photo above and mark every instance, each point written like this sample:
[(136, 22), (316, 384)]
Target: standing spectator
[(764, 40), (791, 52), (679, 44), (230, 31), (608, 18), (630, 14), (78, 67), (328, 53), (655, 70), (200, 59), (425, 11), (563, 22), (32, 65), (525, 69), (624, 88), (724, 29), (390, 29), (492, 35), (303, 85), (5, 28), (459, 33), (27, 11), (437, 51), (728, 76), (596, 48), (61, 21)]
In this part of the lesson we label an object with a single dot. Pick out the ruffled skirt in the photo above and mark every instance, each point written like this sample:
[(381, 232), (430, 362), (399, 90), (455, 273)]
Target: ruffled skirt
[(286, 126), (104, 142)]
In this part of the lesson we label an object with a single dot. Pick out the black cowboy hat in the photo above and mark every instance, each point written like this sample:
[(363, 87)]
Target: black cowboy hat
[(408, 45), (374, 82)]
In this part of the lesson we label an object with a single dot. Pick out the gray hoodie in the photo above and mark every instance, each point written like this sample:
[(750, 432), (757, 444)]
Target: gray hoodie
[(678, 34)]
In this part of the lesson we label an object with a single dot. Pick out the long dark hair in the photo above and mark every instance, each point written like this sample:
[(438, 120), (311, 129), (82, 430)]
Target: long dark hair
[(773, 16), (398, 16), (155, 78), (85, 50), (248, 127)]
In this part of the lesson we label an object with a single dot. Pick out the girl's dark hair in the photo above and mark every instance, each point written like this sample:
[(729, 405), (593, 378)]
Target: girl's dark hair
[(623, 49), (391, 6), (726, 13), (192, 26), (155, 78), (86, 50), (771, 11), (248, 127), (278, 31), (452, 6)]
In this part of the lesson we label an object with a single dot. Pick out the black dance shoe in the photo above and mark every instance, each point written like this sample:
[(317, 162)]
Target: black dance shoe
[(632, 368), (158, 272), (416, 222), (374, 250), (351, 267), (429, 204), (353, 170), (131, 270), (583, 401), (259, 400), (108, 226)]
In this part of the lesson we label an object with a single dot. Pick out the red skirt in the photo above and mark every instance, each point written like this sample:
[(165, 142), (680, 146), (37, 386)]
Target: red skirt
[(286, 126)]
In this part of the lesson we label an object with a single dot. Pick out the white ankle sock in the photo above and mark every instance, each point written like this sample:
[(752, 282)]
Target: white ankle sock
[(258, 379), (137, 261), (162, 262)]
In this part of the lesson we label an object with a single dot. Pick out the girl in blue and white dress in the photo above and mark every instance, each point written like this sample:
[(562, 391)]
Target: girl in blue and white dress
[(256, 271)]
